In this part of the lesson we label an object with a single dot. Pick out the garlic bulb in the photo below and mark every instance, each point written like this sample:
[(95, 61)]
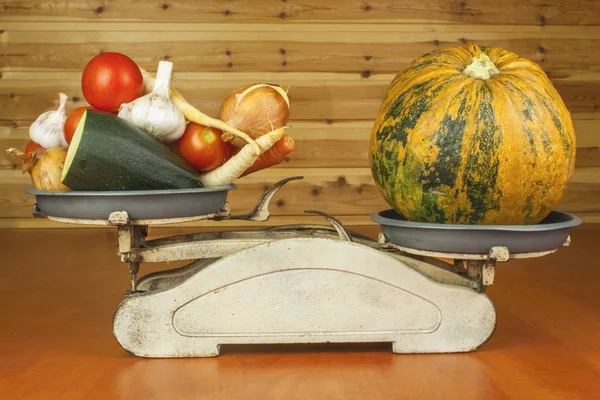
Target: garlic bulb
[(48, 129), (154, 112), (256, 110)]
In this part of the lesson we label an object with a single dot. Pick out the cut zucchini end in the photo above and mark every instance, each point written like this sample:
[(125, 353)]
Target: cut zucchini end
[(74, 145)]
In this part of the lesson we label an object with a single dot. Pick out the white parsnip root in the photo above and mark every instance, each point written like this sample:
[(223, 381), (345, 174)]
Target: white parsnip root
[(193, 114), (239, 163)]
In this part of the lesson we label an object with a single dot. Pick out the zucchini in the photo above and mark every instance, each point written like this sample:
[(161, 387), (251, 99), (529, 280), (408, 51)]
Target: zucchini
[(109, 153)]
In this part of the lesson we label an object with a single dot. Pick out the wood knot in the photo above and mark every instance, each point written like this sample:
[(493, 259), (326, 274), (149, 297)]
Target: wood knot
[(284, 63), (463, 40), (436, 42), (99, 10), (365, 74), (282, 52), (367, 7), (368, 58), (230, 64), (165, 57), (1, 31), (75, 99), (328, 121), (14, 125), (542, 50), (165, 6), (359, 189), (100, 51), (315, 191), (227, 52), (341, 180), (0, 74), (12, 95), (282, 15), (280, 203), (226, 13), (542, 20)]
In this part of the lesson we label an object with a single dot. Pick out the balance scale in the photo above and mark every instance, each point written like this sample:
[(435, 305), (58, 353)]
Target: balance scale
[(299, 283)]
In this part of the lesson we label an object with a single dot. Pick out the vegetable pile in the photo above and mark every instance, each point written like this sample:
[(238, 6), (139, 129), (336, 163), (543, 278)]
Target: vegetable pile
[(139, 133)]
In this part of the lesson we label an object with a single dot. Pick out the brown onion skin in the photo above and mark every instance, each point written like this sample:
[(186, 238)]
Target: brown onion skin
[(260, 111), (47, 167)]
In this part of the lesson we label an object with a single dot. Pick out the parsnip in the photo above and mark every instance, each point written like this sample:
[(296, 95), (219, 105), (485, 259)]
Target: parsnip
[(239, 163)]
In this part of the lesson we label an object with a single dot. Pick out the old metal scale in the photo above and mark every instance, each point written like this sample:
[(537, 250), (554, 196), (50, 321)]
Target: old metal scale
[(301, 283)]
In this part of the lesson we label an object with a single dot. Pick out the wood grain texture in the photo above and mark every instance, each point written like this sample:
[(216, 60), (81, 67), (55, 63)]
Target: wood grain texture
[(56, 337), (334, 97), (550, 12), (298, 49)]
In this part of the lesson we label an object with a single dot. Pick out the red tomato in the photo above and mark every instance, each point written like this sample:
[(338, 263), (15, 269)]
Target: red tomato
[(203, 147), (72, 121), (31, 146), (111, 79)]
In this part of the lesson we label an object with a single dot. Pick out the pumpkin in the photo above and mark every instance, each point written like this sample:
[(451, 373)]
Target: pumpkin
[(472, 135)]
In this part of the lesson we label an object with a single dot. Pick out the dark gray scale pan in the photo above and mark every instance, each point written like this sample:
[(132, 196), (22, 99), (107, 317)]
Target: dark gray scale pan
[(142, 204), (549, 234)]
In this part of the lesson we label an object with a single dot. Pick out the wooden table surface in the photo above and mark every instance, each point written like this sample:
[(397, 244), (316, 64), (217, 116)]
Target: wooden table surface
[(60, 288)]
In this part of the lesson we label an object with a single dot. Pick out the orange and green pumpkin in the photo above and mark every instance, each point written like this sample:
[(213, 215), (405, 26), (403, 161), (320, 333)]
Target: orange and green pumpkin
[(472, 135)]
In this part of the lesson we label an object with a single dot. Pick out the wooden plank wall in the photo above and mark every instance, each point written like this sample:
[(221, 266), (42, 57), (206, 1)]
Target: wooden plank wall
[(336, 56)]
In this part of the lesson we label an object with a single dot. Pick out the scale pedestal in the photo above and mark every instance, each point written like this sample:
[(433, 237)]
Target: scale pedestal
[(297, 284)]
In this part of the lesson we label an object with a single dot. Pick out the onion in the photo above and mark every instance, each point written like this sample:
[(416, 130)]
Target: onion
[(45, 167), (256, 110)]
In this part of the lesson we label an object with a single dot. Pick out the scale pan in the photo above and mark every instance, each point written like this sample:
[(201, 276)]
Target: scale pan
[(549, 234), (139, 204)]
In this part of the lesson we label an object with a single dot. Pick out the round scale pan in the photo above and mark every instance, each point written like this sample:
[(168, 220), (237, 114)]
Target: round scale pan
[(142, 204), (549, 234)]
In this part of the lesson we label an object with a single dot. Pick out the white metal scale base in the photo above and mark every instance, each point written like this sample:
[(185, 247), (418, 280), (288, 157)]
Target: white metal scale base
[(297, 284)]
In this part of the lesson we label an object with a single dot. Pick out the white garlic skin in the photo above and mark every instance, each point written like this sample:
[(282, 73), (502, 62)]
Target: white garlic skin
[(154, 112), (155, 115), (48, 129)]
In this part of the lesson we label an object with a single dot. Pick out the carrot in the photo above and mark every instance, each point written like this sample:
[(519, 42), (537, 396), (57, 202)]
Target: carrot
[(275, 155), (240, 162), (193, 114)]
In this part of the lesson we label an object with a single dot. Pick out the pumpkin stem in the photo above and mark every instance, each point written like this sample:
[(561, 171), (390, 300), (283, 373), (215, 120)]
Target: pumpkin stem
[(481, 68)]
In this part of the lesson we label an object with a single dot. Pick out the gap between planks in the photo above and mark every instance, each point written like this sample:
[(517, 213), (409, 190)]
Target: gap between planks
[(12, 76), (298, 26), (309, 35)]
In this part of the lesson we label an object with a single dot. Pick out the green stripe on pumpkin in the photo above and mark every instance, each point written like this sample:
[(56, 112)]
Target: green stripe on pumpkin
[(449, 139), (482, 164)]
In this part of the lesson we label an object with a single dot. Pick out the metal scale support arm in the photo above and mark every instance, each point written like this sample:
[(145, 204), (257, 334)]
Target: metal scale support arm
[(132, 234)]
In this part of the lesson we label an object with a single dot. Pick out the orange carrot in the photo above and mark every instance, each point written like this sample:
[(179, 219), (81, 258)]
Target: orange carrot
[(275, 155)]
